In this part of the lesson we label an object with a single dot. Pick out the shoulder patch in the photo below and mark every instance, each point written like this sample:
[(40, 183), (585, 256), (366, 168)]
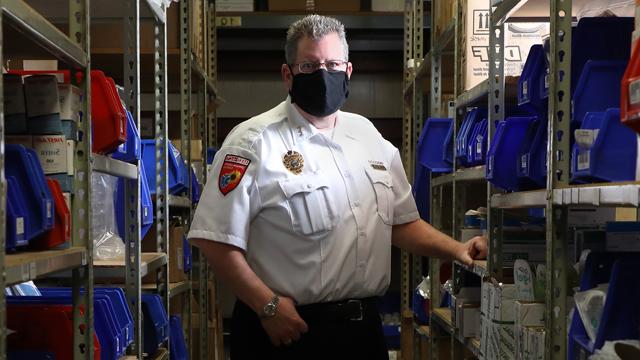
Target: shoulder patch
[(231, 172)]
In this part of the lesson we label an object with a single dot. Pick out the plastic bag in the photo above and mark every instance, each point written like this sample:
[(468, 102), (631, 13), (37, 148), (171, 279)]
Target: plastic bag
[(612, 350), (590, 304), (107, 244)]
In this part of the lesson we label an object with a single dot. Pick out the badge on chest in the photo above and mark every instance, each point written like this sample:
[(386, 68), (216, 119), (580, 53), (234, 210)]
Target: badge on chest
[(293, 161)]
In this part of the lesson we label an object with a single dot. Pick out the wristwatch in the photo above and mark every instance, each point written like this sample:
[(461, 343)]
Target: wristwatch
[(270, 309)]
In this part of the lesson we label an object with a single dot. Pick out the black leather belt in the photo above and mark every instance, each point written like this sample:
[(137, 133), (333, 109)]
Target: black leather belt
[(351, 309)]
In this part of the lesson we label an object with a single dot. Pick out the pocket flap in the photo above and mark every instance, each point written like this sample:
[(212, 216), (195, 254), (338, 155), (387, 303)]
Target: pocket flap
[(379, 176), (305, 184)]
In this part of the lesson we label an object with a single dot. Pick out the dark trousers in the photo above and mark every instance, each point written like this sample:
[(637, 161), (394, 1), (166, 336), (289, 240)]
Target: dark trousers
[(333, 334)]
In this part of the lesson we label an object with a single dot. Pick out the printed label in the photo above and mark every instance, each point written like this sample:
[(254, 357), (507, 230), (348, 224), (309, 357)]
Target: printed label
[(583, 160), (52, 152), (634, 92), (20, 226), (523, 162), (525, 88)]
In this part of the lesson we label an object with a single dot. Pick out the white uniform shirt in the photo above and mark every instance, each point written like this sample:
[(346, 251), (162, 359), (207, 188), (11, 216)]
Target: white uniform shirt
[(319, 236)]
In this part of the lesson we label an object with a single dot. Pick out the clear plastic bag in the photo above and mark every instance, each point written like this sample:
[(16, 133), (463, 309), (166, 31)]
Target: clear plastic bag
[(590, 305), (107, 245)]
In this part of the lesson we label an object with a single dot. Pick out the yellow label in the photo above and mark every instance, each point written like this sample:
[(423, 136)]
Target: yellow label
[(228, 20)]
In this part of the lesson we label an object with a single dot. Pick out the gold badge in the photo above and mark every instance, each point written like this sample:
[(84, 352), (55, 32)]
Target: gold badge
[(293, 161)]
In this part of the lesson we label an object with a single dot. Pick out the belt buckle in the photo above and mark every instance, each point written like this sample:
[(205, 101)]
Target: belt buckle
[(355, 304)]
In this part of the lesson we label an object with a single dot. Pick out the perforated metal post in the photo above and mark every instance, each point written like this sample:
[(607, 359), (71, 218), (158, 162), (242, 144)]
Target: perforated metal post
[(3, 206), (558, 175), (161, 149), (495, 113), (132, 186), (81, 200), (185, 117)]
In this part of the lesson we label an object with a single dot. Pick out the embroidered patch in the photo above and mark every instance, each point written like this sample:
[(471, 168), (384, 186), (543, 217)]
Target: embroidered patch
[(232, 171)]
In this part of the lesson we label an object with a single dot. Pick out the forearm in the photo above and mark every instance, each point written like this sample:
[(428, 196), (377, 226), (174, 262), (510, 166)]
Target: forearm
[(231, 267), (418, 237)]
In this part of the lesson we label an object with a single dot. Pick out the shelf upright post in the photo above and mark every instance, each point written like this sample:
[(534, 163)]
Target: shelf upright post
[(557, 176), (81, 201), (495, 113), (132, 186), (405, 258), (161, 154), (3, 207), (185, 121), (418, 103)]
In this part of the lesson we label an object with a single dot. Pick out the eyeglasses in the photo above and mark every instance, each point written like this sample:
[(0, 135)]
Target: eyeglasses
[(308, 67)]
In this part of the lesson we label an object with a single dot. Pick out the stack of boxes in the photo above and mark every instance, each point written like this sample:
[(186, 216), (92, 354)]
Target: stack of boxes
[(43, 111), (465, 313), (529, 329)]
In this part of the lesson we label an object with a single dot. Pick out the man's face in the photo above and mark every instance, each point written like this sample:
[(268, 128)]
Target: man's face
[(326, 48)]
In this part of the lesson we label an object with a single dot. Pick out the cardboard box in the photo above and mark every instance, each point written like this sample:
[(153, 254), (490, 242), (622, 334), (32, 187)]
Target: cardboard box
[(387, 5), (70, 98), (14, 102), (41, 95), (475, 59), (337, 5), (469, 315), (529, 313), (444, 13), (52, 153), (503, 303), (291, 5), (196, 148), (110, 35), (234, 5), (535, 343), (175, 253), (501, 342)]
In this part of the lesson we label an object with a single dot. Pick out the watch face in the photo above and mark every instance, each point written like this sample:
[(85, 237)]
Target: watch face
[(270, 310)]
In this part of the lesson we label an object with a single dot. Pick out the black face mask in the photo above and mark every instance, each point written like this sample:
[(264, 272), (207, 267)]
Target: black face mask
[(320, 93)]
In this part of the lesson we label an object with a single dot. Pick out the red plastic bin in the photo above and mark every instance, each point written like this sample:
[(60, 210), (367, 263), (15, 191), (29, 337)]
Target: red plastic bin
[(630, 92), (108, 116), (61, 232), (44, 328)]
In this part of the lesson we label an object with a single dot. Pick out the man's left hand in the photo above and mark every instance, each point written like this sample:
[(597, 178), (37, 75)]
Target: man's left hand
[(476, 248)]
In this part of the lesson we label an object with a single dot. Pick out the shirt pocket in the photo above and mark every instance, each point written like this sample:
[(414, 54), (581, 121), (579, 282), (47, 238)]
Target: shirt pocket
[(312, 208), (383, 187)]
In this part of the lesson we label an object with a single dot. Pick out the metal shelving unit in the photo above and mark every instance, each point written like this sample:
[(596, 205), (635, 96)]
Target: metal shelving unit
[(556, 198), (71, 50)]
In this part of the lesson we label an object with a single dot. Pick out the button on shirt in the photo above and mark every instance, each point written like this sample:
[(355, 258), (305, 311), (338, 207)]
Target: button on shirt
[(323, 234)]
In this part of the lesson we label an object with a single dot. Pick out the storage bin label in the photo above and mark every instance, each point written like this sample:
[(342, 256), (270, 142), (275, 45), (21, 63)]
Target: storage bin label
[(634, 92), (20, 226)]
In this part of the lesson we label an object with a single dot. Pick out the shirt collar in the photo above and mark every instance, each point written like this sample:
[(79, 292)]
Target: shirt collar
[(302, 129)]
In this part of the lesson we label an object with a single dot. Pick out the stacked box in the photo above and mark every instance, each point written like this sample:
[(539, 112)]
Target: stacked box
[(497, 339), (529, 320)]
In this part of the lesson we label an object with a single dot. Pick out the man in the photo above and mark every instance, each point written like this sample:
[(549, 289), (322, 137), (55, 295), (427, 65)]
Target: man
[(307, 203)]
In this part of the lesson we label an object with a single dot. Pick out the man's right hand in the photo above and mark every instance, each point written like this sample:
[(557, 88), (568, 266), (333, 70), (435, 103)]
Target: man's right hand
[(287, 325)]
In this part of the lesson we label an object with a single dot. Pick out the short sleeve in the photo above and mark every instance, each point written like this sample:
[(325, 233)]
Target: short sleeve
[(229, 200), (405, 209)]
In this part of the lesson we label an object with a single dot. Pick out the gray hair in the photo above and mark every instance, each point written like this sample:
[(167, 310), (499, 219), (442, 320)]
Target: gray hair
[(315, 27)]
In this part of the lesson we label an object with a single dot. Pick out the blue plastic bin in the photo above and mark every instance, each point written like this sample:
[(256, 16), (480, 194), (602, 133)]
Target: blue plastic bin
[(621, 314), (421, 187), (182, 178), (22, 164), (146, 205), (195, 188), (178, 344), (130, 150), (502, 157), (435, 148), (610, 157), (17, 216), (465, 134), (589, 95), (30, 355), (477, 148), (175, 180), (156, 323), (533, 84), (532, 159), (118, 299), (211, 153), (599, 38)]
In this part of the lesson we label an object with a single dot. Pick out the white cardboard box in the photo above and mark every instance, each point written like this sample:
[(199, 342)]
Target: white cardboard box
[(534, 345), (70, 98), (470, 320), (503, 301), (52, 153), (41, 94), (528, 313), (519, 37)]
